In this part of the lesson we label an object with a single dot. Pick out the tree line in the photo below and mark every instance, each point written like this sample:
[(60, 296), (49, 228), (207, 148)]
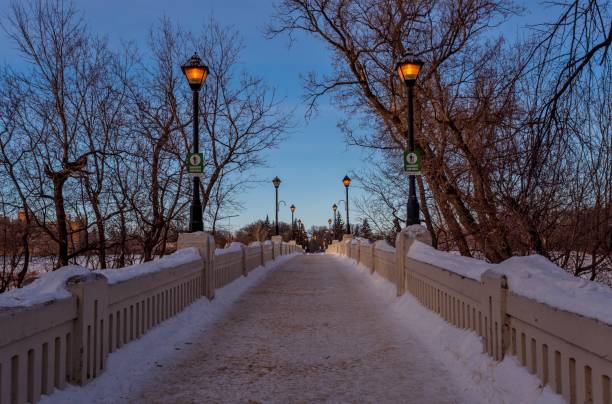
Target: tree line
[(93, 138), (515, 133)]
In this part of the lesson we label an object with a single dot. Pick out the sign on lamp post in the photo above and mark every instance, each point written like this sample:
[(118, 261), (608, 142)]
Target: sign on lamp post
[(412, 162), (195, 164)]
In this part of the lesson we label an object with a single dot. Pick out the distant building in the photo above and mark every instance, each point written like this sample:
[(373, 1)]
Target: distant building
[(41, 243)]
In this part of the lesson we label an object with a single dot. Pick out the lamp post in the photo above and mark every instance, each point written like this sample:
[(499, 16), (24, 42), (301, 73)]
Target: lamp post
[(334, 208), (276, 182), (292, 209), (408, 70), (347, 181), (195, 72), (329, 223)]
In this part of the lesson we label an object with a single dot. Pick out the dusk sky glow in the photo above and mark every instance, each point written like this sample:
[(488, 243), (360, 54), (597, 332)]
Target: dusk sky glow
[(314, 158)]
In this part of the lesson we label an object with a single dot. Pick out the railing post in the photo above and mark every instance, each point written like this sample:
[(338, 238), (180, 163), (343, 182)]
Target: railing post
[(403, 242), (276, 240), (346, 241), (263, 253), (245, 270), (205, 244), (497, 335), (373, 247), (87, 348), (292, 247)]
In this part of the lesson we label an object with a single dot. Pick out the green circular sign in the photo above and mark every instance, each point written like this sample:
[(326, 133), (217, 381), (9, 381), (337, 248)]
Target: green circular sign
[(195, 160), (412, 158)]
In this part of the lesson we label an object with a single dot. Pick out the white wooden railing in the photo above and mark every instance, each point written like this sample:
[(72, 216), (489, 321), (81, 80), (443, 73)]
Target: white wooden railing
[(66, 336), (569, 350)]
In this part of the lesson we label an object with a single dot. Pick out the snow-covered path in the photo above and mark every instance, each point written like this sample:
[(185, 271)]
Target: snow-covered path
[(312, 328), (311, 331)]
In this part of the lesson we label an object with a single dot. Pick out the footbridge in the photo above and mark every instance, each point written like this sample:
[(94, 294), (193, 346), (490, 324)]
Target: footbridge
[(365, 322)]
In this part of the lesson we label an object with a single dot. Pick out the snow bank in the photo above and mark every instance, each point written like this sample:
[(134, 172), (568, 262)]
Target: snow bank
[(233, 247), (137, 362), (384, 245), (255, 244), (464, 266), (181, 257), (415, 231), (49, 286), (533, 276), (484, 380), (461, 351), (539, 279)]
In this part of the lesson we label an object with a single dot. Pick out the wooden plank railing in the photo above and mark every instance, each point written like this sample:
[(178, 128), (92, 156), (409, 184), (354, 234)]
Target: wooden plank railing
[(63, 340), (570, 352)]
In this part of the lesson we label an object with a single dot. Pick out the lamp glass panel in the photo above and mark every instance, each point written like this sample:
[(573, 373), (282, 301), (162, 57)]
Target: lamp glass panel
[(195, 74), (409, 71)]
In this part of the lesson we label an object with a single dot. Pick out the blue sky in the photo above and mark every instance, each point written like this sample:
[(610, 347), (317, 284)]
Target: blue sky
[(314, 158)]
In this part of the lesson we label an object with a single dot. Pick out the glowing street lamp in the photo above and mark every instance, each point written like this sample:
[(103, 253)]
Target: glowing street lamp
[(335, 208), (276, 182), (292, 209), (195, 72), (347, 181), (408, 70)]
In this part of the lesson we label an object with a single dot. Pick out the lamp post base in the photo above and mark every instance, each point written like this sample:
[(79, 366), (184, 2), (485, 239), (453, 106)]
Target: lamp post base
[(195, 212)]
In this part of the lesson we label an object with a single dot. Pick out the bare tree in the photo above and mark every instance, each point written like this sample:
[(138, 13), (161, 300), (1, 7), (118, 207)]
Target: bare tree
[(52, 38), (242, 116), (511, 134), (94, 140)]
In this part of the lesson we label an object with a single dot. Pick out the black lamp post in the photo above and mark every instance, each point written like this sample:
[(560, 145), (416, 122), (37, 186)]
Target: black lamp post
[(347, 181), (408, 70), (276, 182), (195, 72), (292, 209), (334, 208)]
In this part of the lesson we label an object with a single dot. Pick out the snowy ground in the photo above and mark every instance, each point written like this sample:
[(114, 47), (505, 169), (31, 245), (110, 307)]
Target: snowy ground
[(314, 329), (482, 379)]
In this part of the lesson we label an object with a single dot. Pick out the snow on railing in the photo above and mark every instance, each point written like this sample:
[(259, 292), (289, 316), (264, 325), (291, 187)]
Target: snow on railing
[(180, 257), (61, 328), (48, 287), (229, 264), (557, 326), (464, 266)]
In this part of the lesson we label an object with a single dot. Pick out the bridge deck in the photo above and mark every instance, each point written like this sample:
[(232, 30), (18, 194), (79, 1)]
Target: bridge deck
[(309, 331)]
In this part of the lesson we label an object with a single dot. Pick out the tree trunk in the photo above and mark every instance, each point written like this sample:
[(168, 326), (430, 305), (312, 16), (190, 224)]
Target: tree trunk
[(101, 233), (426, 214), (61, 222), (122, 239), (25, 241)]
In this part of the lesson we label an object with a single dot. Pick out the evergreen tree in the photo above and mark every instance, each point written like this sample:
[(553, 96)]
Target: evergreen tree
[(339, 229), (268, 227), (366, 231)]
